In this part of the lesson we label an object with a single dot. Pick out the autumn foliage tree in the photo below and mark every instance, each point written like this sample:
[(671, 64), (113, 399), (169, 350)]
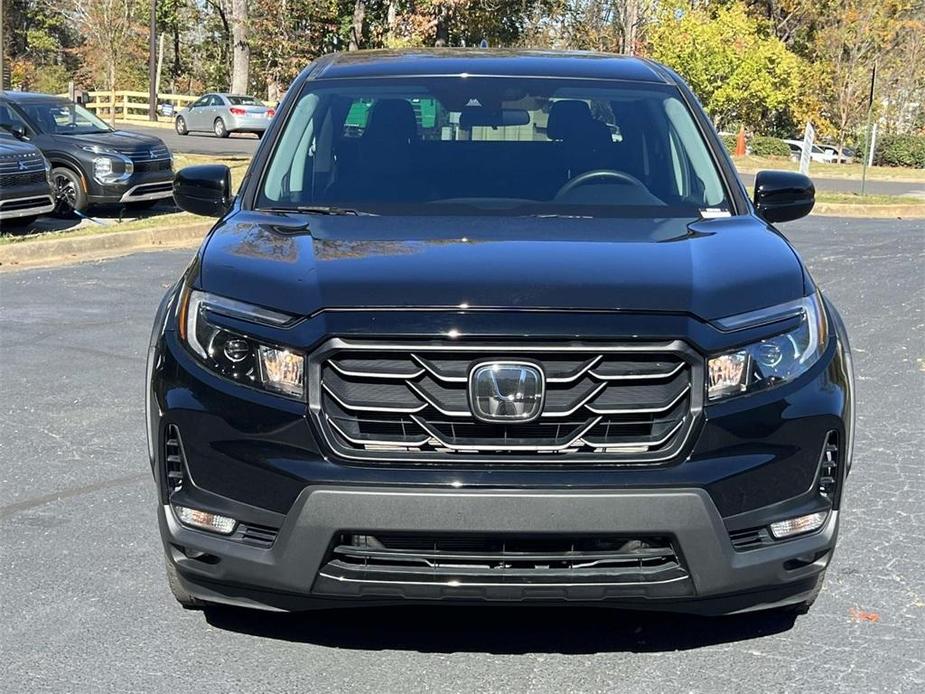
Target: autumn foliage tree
[(111, 33), (741, 71)]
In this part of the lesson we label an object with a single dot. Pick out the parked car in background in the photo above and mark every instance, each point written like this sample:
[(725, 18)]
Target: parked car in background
[(846, 156), (92, 164), (817, 154), (432, 352), (25, 181), (224, 114)]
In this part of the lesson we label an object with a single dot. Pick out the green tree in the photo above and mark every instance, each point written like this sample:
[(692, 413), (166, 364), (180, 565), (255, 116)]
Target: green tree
[(741, 71)]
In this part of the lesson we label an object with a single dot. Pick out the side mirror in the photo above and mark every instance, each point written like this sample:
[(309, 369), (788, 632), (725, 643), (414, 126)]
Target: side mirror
[(15, 129), (782, 196), (204, 190)]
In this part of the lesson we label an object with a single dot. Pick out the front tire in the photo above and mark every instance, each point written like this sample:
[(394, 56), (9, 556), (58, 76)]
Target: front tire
[(219, 127), (70, 196), (182, 596), (180, 125)]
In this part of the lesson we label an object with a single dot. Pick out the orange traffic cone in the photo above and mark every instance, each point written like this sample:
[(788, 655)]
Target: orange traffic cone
[(740, 142)]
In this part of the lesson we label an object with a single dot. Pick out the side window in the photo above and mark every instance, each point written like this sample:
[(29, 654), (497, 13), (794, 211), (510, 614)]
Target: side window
[(9, 117), (200, 102), (217, 100), (704, 185)]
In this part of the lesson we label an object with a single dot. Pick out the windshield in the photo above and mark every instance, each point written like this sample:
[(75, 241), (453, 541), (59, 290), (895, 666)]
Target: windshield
[(63, 118), (243, 101), (471, 145)]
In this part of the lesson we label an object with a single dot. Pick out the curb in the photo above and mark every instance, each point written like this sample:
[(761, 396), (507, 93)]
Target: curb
[(835, 209), (16, 256)]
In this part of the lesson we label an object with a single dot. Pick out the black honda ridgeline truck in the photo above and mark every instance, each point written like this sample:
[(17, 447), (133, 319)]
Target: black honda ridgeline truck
[(502, 327)]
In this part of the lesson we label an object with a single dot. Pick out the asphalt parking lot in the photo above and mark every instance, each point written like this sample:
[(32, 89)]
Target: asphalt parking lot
[(86, 607)]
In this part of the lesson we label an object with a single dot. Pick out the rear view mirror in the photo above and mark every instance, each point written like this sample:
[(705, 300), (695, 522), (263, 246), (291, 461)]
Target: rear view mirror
[(479, 116), (204, 190), (782, 196)]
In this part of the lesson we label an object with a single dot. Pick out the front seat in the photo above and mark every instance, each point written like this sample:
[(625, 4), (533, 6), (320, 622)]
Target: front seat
[(384, 166), (585, 142)]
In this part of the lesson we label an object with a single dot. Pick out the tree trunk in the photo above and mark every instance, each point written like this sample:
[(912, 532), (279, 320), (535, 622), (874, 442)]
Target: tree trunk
[(630, 20), (241, 51), (392, 18), (176, 52), (356, 30), (442, 37)]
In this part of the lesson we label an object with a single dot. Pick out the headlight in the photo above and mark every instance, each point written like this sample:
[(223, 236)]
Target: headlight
[(110, 166), (102, 168), (774, 360), (237, 356)]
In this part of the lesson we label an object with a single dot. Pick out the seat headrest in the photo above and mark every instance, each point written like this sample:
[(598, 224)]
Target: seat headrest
[(391, 119), (568, 118)]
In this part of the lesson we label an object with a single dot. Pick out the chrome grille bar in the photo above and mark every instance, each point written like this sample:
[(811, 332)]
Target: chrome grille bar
[(633, 403)]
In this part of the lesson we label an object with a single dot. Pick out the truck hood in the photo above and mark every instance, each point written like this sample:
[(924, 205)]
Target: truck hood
[(302, 264)]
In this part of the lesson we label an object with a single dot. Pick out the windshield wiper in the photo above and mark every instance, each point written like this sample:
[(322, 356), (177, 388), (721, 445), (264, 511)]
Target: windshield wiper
[(318, 209)]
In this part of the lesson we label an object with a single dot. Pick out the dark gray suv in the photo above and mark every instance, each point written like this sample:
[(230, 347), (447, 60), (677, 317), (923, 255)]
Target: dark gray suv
[(92, 164)]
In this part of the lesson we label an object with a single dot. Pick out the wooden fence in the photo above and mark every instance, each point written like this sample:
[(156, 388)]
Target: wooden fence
[(130, 105)]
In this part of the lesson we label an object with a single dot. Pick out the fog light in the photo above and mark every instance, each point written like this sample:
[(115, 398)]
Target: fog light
[(799, 525), (205, 520)]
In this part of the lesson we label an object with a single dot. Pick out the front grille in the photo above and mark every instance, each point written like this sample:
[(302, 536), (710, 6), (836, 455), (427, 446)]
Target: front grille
[(23, 179), (619, 403), (21, 164), (145, 154), (536, 560), (160, 165)]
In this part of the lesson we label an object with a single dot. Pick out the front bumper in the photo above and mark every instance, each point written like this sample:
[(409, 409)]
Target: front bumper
[(140, 187), (26, 206), (291, 574), (253, 456)]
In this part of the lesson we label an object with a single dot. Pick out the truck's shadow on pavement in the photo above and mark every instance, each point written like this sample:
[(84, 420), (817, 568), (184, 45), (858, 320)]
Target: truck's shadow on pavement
[(500, 630)]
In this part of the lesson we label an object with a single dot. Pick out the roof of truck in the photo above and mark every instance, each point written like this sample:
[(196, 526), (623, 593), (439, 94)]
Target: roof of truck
[(488, 62)]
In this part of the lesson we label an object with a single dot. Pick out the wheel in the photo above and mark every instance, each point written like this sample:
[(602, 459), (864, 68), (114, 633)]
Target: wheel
[(70, 195), (180, 125), (219, 127), (179, 592)]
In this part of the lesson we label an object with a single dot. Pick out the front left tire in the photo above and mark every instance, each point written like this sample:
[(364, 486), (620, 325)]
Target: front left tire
[(182, 596), (180, 125), (70, 196)]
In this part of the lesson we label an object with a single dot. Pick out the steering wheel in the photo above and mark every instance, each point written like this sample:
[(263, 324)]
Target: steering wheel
[(583, 178)]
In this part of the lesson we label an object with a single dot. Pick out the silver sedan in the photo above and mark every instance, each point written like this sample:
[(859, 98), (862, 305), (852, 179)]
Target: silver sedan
[(224, 114)]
